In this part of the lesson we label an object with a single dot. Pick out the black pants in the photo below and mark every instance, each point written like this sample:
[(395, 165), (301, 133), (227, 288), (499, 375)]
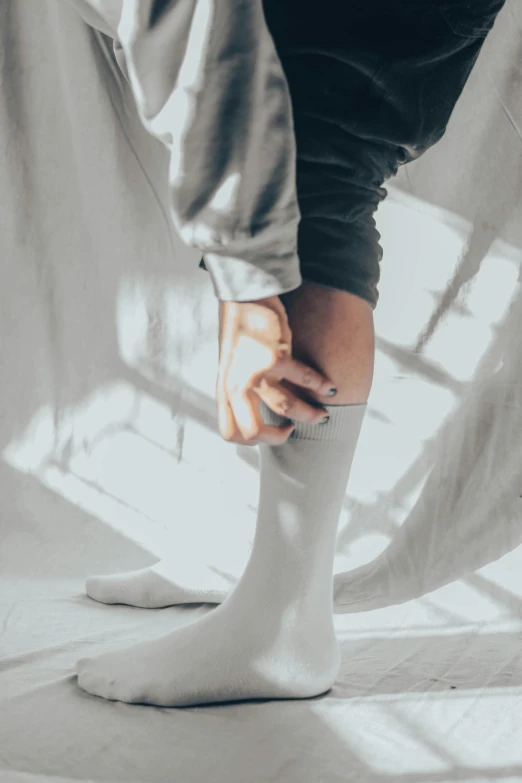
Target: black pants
[(373, 84)]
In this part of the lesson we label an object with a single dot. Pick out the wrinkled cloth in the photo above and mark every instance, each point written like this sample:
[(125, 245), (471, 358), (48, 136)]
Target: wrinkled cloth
[(373, 85), (208, 83), (237, 89)]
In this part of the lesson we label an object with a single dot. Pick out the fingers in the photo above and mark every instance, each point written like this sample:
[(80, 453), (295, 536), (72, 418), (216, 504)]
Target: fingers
[(245, 407), (226, 421), (240, 421), (302, 375), (255, 363), (282, 401)]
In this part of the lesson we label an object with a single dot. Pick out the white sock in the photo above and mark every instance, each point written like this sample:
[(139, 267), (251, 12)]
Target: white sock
[(273, 637), (303, 484)]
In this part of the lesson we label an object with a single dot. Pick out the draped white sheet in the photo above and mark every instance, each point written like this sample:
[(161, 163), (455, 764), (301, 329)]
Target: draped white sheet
[(110, 452)]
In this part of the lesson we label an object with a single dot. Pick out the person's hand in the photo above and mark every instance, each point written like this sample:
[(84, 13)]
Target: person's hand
[(255, 363)]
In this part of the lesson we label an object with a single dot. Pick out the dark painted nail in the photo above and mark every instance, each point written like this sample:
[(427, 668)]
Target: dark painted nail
[(331, 392)]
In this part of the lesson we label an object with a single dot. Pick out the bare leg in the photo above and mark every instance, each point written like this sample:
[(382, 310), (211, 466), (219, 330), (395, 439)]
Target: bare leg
[(273, 637), (333, 331)]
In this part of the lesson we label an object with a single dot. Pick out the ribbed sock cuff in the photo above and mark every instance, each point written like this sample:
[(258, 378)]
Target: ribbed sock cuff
[(345, 422)]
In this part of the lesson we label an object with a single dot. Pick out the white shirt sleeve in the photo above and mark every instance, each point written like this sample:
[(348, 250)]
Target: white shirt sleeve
[(208, 83)]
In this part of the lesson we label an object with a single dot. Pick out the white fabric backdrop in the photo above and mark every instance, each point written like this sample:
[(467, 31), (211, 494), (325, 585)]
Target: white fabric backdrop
[(110, 452)]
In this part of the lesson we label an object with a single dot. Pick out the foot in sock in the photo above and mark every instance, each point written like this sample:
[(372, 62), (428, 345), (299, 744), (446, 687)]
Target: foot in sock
[(273, 637), (163, 584), (235, 652)]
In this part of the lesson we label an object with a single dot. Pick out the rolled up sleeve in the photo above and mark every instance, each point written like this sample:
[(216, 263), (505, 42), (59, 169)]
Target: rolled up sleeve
[(208, 83)]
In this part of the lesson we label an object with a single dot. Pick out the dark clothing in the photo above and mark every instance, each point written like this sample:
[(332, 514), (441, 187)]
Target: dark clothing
[(373, 84), (283, 119)]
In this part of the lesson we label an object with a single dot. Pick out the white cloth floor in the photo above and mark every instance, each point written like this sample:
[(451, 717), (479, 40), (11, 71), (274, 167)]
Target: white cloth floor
[(110, 452)]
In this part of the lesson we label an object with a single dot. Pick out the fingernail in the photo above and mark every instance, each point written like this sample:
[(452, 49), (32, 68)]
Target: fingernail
[(326, 418), (331, 392)]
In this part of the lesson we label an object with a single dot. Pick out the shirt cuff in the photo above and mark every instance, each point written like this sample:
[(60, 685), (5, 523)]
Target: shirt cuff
[(237, 280)]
